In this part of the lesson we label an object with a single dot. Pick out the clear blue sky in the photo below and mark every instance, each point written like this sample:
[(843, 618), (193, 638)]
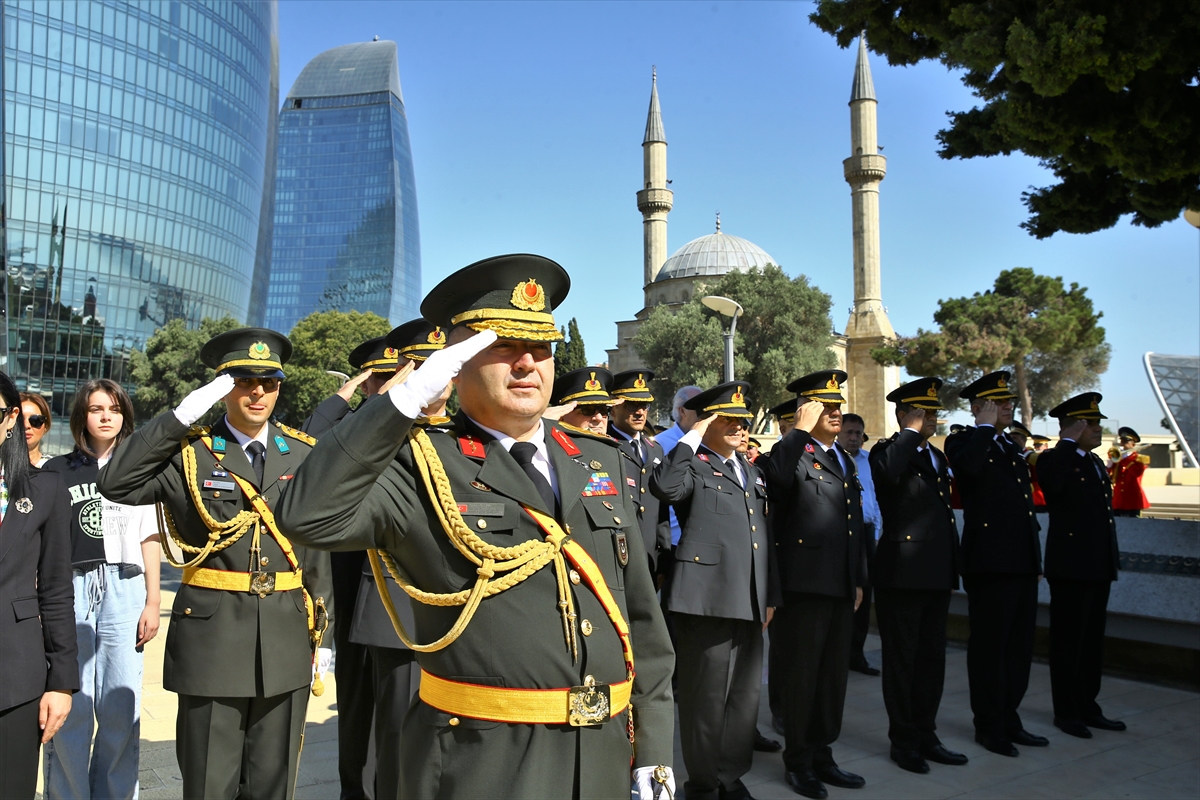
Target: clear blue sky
[(527, 120)]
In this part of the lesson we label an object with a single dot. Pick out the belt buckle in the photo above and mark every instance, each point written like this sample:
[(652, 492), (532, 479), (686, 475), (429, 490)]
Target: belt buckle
[(588, 704), (262, 583)]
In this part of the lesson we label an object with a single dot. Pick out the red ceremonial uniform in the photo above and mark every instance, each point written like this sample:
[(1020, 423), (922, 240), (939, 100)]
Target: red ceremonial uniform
[(1126, 474), (1039, 499)]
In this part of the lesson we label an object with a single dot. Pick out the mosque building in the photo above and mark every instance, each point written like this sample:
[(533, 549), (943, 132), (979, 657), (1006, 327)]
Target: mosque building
[(672, 281)]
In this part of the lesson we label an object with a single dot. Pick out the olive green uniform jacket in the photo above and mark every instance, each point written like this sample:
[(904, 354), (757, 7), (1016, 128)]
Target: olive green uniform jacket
[(223, 643), (516, 638)]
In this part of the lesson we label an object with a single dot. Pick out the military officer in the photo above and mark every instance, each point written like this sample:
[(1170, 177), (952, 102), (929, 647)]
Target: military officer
[(1081, 564), (377, 361), (587, 388), (391, 678), (513, 538), (785, 418), (822, 569), (253, 605), (1002, 559), (722, 592), (916, 568), (1125, 469), (627, 424)]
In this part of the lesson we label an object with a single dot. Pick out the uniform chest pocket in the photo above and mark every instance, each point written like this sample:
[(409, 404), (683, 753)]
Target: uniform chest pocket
[(708, 553), (492, 517), (604, 513), (719, 495), (820, 485)]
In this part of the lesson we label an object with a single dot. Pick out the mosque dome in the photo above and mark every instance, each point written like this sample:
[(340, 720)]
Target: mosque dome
[(712, 256)]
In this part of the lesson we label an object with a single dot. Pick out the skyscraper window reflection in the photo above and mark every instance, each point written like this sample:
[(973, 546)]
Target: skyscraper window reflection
[(136, 149), (346, 235)]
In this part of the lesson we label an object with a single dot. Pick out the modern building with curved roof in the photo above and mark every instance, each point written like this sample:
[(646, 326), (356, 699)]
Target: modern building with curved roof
[(346, 230)]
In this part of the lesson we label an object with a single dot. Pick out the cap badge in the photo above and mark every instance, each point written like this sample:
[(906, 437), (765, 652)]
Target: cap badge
[(391, 352), (833, 384), (259, 351), (640, 383), (529, 296), (438, 336), (1001, 383), (1095, 405), (592, 385), (737, 397), (932, 392)]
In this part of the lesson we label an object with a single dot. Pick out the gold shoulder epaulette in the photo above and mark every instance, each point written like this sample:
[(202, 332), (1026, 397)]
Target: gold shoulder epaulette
[(299, 435), (197, 430), (432, 422), (1143, 458)]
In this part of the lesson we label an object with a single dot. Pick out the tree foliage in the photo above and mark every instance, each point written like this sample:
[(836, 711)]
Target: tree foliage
[(170, 366), (1046, 334), (570, 353), (1103, 93), (784, 332), (322, 341)]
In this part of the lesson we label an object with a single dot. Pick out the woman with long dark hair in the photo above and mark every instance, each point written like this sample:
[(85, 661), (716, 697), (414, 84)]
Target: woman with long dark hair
[(38, 667), (36, 414), (115, 553)]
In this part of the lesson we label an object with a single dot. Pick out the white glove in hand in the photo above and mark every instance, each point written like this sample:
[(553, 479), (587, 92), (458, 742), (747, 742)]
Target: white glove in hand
[(324, 659), (648, 788), (427, 384), (197, 404)]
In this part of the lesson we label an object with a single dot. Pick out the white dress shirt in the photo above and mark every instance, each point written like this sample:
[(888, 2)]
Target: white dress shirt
[(541, 459), (244, 441)]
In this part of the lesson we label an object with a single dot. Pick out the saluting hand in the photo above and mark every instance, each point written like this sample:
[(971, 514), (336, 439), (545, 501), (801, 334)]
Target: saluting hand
[(197, 404), (702, 424), (426, 385), (398, 377), (558, 412), (989, 414), (914, 420), (808, 414), (1074, 430), (349, 387)]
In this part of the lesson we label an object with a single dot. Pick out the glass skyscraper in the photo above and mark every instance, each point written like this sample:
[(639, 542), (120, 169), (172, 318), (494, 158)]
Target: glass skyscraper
[(346, 234), (136, 152)]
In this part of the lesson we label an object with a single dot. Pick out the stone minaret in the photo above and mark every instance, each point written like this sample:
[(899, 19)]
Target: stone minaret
[(654, 199), (869, 327)]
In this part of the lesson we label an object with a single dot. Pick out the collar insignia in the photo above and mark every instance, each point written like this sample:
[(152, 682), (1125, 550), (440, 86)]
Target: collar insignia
[(564, 441), (471, 447)]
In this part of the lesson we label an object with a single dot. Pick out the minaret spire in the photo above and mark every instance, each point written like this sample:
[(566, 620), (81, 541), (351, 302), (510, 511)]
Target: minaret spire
[(654, 199), (869, 326)]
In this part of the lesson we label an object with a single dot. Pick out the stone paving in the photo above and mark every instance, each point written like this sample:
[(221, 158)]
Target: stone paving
[(1158, 757)]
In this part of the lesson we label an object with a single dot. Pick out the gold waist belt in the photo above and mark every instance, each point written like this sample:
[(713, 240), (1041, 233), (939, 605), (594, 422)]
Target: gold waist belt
[(259, 583), (590, 704)]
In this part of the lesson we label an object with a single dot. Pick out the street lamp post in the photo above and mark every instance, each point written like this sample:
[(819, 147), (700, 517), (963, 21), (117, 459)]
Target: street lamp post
[(726, 308)]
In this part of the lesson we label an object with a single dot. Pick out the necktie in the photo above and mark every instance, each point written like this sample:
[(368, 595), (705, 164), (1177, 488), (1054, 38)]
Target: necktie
[(524, 452), (736, 473), (258, 460), (927, 459)]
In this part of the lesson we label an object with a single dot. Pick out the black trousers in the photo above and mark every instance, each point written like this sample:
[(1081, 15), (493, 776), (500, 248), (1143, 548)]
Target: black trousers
[(1002, 609), (775, 673), (719, 663), (244, 747), (1078, 614), (355, 699), (20, 743), (862, 617), (912, 628), (396, 678), (814, 642)]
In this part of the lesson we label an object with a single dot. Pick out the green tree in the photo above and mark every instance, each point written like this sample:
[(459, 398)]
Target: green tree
[(1102, 93), (784, 332), (570, 353), (170, 366), (1046, 334), (322, 341)]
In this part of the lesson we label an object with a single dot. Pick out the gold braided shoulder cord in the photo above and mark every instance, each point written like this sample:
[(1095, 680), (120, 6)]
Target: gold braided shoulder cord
[(519, 561), (220, 534)]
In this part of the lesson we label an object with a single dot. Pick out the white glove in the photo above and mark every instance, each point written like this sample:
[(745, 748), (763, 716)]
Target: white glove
[(646, 785), (197, 404), (324, 659), (426, 385)]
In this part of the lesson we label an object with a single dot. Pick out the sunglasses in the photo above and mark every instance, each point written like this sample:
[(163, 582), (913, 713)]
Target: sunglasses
[(591, 411), (35, 420)]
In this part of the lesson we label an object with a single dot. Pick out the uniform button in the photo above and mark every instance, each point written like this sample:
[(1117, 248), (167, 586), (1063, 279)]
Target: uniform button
[(1031, 513), (845, 486), (187, 611), (1070, 534), (697, 558), (617, 520), (799, 541), (985, 524), (642, 509), (753, 528), (907, 537), (756, 545), (747, 494), (453, 722), (643, 470), (643, 490), (586, 627), (264, 561), (481, 524), (574, 576), (216, 494), (849, 516), (752, 512), (567, 528)]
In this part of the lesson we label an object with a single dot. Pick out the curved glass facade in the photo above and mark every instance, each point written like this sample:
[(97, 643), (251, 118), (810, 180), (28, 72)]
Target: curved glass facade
[(136, 150), (346, 233)]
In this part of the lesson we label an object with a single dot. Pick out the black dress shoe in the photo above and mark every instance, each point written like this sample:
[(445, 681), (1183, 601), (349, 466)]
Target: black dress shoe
[(1073, 727), (1002, 746), (777, 725), (807, 784), (863, 666), (939, 754), (764, 745), (910, 760), (1028, 739), (1104, 723), (839, 777)]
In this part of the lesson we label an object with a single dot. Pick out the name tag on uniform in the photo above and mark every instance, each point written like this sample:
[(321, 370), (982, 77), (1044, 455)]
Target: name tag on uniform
[(599, 484), (482, 509), (227, 486), (631, 482)]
